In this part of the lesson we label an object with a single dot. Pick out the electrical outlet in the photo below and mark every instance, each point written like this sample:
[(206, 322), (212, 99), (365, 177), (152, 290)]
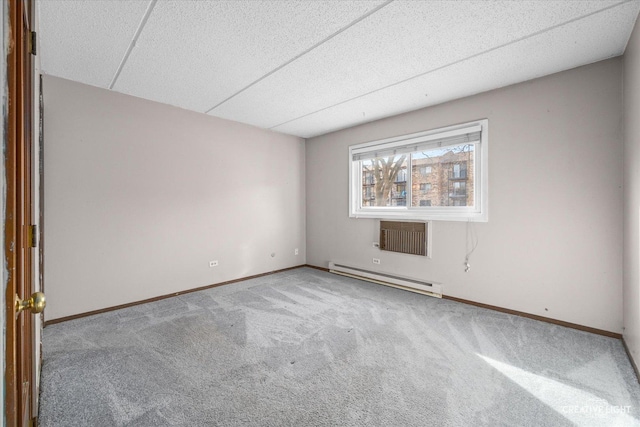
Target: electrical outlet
[(376, 260), (213, 263), (295, 252)]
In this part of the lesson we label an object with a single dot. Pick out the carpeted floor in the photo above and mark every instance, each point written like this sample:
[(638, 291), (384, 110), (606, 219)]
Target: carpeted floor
[(309, 348)]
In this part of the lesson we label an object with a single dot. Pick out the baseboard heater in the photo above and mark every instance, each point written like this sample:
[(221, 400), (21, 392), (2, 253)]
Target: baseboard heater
[(406, 283)]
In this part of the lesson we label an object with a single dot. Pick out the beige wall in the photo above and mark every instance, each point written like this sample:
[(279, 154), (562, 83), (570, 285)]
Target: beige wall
[(553, 243), (631, 290), (140, 196)]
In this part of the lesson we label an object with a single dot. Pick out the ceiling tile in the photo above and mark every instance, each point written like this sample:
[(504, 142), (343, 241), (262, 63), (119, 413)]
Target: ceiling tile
[(310, 67), (195, 54), (402, 40), (563, 48), (86, 41)]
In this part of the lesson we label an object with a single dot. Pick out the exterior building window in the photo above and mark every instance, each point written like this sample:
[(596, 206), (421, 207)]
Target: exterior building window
[(389, 178), (367, 178), (368, 193), (402, 175), (459, 171), (458, 195)]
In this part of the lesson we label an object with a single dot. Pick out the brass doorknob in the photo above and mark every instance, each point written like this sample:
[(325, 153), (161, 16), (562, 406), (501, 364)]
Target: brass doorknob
[(36, 303)]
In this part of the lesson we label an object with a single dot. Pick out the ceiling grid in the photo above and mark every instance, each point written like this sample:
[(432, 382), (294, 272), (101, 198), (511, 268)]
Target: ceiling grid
[(311, 67), (456, 62), (351, 24), (152, 3)]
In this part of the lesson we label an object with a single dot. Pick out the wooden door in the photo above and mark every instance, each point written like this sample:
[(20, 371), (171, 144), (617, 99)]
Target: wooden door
[(19, 235)]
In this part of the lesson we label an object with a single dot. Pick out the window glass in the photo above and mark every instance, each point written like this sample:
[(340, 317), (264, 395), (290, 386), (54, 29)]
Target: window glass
[(383, 181), (437, 174)]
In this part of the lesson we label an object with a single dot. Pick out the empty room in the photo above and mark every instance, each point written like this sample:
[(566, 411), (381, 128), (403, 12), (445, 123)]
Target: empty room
[(321, 213)]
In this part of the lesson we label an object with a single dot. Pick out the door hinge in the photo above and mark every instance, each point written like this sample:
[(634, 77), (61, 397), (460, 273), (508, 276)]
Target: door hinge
[(32, 43), (32, 236)]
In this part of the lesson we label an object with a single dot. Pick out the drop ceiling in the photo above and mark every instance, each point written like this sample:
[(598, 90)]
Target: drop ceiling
[(307, 68)]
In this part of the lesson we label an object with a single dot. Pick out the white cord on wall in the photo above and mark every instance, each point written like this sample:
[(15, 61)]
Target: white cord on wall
[(472, 244)]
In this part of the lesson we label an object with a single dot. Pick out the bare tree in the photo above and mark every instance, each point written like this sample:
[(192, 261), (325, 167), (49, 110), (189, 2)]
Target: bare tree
[(385, 171)]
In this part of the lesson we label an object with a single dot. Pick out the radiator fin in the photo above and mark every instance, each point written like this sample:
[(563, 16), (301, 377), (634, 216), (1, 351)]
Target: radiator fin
[(404, 237)]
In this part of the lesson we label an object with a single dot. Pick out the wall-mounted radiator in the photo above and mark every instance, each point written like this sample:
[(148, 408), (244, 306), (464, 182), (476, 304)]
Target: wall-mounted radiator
[(404, 237), (406, 283)]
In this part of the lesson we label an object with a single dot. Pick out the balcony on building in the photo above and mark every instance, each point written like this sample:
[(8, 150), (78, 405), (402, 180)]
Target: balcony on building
[(459, 175)]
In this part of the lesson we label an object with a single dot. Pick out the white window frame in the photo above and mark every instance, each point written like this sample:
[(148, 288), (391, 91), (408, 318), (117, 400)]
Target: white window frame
[(478, 213)]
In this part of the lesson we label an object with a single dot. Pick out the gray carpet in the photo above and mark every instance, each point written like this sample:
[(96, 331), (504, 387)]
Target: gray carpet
[(309, 348)]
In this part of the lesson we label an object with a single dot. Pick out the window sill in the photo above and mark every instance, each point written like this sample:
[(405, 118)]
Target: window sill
[(406, 215)]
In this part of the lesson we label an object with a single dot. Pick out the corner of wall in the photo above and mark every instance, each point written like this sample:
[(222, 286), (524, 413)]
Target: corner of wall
[(631, 244), (160, 218)]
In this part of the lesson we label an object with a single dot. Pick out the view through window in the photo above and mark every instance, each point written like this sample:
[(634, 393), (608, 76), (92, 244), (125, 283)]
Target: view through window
[(433, 173), (439, 177)]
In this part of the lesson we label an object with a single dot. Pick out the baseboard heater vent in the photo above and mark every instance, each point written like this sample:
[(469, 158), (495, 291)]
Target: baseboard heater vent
[(406, 283), (404, 237)]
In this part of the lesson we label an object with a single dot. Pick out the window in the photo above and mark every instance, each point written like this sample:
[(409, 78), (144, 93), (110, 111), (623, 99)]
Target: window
[(390, 177), (399, 194), (402, 175), (368, 193), (367, 178), (459, 171)]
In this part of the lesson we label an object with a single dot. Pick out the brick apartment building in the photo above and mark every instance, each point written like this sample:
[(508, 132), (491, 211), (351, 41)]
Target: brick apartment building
[(445, 180)]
